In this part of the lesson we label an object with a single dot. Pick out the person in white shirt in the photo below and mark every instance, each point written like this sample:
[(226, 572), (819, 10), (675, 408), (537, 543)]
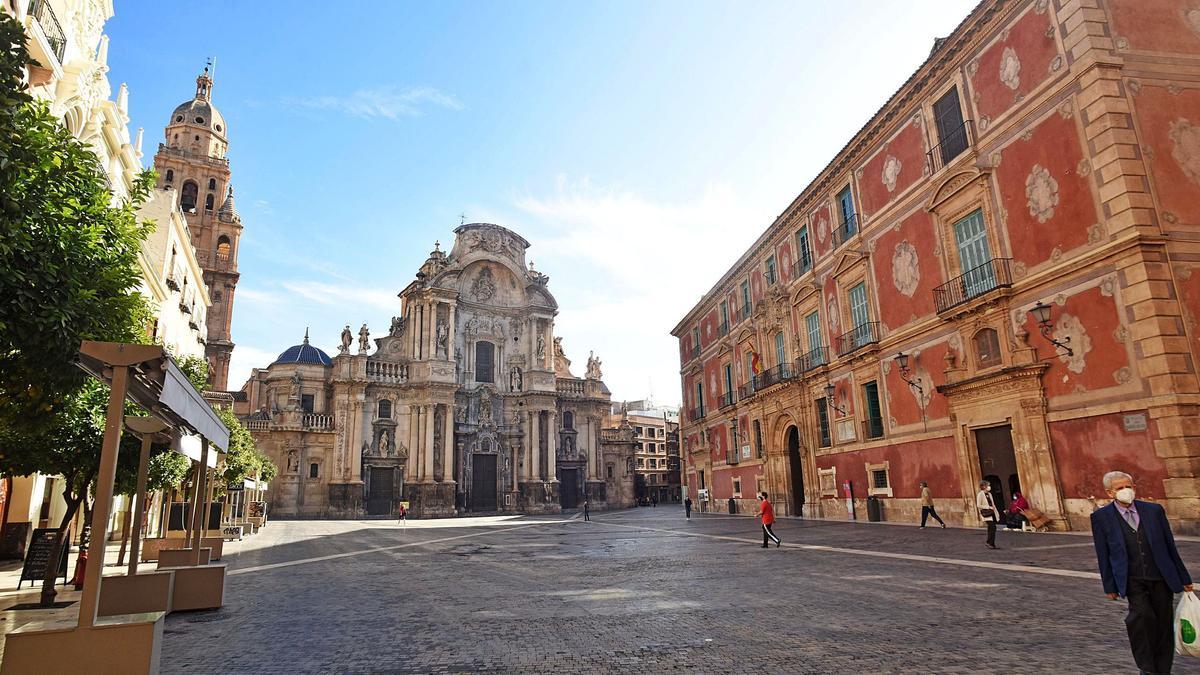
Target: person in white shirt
[(987, 511)]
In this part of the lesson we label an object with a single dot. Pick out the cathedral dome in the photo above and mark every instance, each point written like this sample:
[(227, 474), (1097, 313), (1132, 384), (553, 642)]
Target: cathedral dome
[(304, 353), (200, 111)]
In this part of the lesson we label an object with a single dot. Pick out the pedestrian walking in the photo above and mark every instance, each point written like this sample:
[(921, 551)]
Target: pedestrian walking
[(687, 508), (767, 513), (587, 514), (403, 516), (654, 499), (987, 511), (1138, 561), (927, 509)]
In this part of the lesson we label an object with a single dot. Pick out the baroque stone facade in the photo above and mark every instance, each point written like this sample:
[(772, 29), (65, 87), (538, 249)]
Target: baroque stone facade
[(1046, 152), (466, 404)]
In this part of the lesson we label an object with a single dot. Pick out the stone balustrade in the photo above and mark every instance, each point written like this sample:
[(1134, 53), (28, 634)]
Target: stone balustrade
[(569, 386), (383, 371), (316, 421)]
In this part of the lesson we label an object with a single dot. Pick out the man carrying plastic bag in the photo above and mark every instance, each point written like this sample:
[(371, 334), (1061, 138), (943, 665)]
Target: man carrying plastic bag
[(1187, 622), (1139, 561)]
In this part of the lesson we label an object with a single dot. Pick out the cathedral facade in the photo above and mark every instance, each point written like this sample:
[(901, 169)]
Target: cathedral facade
[(467, 404)]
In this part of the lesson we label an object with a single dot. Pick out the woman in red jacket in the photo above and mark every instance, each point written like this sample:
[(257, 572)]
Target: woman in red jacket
[(767, 513)]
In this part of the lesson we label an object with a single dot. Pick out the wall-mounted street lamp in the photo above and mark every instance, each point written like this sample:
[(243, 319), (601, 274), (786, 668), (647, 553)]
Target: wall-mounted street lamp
[(1041, 313), (830, 390), (914, 382)]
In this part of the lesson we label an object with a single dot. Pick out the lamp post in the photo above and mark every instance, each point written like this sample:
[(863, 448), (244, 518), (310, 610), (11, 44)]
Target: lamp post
[(1041, 313), (915, 383), (830, 390)]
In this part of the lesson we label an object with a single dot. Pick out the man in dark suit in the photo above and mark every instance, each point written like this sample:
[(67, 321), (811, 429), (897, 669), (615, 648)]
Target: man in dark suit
[(1139, 561)]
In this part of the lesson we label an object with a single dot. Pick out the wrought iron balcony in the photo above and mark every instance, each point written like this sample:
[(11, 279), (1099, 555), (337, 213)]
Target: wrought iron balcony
[(815, 358), (51, 28), (726, 400), (993, 274), (744, 312), (858, 337), (802, 265), (772, 376), (694, 353), (848, 228), (723, 329), (952, 145), (873, 427), (747, 390), (697, 414)]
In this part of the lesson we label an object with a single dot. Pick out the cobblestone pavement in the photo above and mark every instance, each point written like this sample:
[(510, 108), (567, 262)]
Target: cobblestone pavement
[(645, 590)]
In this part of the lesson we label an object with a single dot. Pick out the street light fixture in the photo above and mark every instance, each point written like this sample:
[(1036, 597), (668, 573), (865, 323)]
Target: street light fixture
[(915, 383), (830, 390), (1041, 313)]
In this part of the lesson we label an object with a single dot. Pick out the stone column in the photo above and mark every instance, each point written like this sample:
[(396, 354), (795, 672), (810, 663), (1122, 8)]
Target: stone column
[(354, 438), (448, 444), (413, 464), (413, 324), (451, 333), (552, 447), (431, 330), (535, 444), (427, 433)]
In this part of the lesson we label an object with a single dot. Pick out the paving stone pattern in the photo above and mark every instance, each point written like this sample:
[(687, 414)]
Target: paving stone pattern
[(615, 596)]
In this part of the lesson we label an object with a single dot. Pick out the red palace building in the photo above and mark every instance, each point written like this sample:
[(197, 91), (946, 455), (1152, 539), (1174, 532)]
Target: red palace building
[(998, 278)]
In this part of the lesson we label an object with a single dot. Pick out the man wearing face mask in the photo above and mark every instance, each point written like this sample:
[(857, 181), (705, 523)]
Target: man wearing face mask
[(1139, 561)]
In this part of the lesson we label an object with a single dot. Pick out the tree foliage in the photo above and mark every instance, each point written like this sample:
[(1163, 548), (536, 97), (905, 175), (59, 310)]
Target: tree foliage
[(244, 459), (68, 255)]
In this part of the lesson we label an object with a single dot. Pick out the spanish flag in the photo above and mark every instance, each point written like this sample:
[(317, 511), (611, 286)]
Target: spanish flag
[(755, 362)]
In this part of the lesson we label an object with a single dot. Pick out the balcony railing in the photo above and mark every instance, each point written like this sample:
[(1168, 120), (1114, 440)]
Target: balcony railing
[(952, 145), (316, 421), (772, 376), (726, 400), (815, 358), (873, 427), (172, 283), (847, 229), (745, 391), (743, 312), (993, 274), (697, 414), (801, 266), (51, 28), (723, 329), (858, 337), (694, 352)]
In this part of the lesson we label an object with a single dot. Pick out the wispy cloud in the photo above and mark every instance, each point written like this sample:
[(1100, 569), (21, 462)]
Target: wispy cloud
[(244, 359), (388, 102), (344, 295)]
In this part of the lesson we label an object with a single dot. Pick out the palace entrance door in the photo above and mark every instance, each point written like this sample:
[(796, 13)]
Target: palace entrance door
[(483, 482), (998, 462), (796, 466)]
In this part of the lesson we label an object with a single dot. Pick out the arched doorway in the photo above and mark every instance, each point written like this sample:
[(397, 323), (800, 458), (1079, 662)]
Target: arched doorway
[(797, 469)]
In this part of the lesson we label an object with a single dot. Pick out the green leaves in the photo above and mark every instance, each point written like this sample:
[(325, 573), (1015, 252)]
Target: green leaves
[(244, 459)]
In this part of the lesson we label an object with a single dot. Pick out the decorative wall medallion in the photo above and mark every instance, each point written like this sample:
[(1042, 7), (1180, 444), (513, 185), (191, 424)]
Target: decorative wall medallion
[(926, 395), (1056, 64), (891, 171), (1122, 43), (1066, 109), (1170, 217), (822, 229), (1174, 89), (1134, 86), (1056, 254), (1121, 334), (1070, 328), (484, 287), (1010, 68), (984, 122), (1184, 273), (1060, 299), (1084, 167), (1042, 192), (1107, 287), (1040, 6), (906, 273), (972, 68), (832, 313), (1185, 147)]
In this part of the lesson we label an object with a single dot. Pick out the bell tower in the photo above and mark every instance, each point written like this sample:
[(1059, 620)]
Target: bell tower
[(192, 161)]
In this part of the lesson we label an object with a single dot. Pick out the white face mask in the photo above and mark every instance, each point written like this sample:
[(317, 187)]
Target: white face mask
[(1125, 495)]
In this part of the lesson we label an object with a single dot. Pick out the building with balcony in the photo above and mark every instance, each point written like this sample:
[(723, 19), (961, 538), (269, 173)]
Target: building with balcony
[(655, 436), (466, 404), (995, 279)]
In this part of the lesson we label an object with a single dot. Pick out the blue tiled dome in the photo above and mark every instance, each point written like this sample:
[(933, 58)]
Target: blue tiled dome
[(304, 353)]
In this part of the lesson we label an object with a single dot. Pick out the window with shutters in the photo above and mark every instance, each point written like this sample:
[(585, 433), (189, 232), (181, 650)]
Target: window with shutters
[(952, 133), (485, 354), (823, 422), (987, 348)]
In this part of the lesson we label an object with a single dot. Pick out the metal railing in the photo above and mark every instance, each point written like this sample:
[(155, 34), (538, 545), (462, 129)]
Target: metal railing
[(815, 358), (873, 427), (697, 413), (993, 274), (725, 401), (695, 352), (858, 337), (772, 376), (802, 265), (723, 329), (953, 144), (51, 28), (743, 312), (745, 391), (847, 229)]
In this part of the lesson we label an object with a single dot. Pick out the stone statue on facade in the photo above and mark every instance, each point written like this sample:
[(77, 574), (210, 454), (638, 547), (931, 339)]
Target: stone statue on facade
[(485, 406), (396, 329), (294, 393), (562, 365), (442, 334), (593, 367), (383, 444), (364, 339), (347, 338), (515, 380), (541, 351)]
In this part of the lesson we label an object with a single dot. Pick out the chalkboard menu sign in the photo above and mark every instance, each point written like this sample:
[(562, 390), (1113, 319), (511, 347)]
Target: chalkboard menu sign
[(41, 547)]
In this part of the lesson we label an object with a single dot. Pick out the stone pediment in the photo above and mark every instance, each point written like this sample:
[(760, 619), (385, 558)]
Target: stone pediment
[(848, 261), (952, 186)]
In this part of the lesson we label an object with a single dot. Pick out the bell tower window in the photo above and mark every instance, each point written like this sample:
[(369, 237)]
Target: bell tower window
[(223, 247), (208, 202), (170, 175), (212, 183), (187, 198)]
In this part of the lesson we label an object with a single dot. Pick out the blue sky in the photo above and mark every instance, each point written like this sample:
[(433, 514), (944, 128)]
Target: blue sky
[(639, 146)]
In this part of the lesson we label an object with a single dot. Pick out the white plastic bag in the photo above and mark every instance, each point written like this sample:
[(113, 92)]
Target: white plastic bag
[(1187, 625)]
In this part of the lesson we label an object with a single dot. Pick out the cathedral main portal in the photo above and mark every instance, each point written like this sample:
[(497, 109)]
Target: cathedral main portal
[(483, 482)]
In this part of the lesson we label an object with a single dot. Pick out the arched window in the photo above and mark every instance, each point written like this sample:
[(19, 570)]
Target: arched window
[(385, 409), (170, 175), (208, 202), (314, 471), (485, 353), (223, 247), (212, 183), (568, 420), (987, 348), (188, 196)]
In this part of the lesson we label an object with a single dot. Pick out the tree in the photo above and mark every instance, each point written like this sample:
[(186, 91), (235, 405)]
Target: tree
[(68, 257)]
